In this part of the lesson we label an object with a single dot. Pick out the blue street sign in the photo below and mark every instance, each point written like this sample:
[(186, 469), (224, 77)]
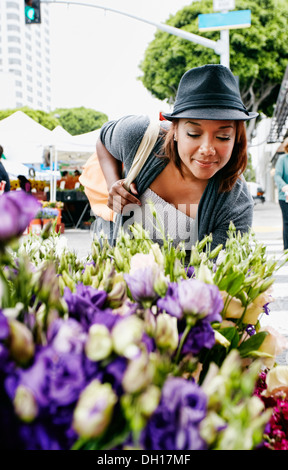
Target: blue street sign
[(230, 20)]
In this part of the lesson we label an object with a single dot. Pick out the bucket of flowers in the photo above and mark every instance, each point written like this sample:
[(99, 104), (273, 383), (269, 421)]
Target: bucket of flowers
[(129, 349)]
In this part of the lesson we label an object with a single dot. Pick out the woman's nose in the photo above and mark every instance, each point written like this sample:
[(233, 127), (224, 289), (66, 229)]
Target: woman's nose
[(207, 149)]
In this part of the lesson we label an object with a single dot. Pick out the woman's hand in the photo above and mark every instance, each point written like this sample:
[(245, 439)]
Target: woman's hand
[(285, 188), (119, 197)]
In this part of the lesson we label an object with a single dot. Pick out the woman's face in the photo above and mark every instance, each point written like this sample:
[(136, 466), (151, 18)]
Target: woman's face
[(204, 147)]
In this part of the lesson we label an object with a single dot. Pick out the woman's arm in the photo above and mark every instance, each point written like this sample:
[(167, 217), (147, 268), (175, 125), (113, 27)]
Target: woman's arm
[(118, 197)]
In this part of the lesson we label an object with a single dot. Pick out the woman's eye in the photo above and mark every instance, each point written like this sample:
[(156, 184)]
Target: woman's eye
[(224, 138), (193, 135)]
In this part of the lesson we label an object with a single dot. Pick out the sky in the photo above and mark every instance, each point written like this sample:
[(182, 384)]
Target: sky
[(96, 55)]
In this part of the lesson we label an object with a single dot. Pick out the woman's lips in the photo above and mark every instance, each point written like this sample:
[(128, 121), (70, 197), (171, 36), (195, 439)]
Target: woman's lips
[(204, 164)]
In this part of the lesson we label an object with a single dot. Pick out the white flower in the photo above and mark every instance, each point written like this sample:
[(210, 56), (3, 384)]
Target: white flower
[(25, 405), (276, 380), (139, 374), (126, 335), (166, 332), (141, 261), (99, 343), (94, 409), (273, 345)]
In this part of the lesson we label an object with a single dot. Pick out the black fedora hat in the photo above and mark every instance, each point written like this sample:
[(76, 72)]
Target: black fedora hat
[(209, 92)]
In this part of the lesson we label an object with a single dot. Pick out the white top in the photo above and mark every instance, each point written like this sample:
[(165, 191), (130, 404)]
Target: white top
[(176, 224)]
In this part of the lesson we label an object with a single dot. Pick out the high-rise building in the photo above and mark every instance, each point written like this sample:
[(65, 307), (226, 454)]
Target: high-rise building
[(25, 70)]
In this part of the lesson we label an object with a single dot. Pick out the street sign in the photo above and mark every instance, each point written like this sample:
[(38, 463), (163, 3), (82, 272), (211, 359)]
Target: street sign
[(230, 20), (223, 5)]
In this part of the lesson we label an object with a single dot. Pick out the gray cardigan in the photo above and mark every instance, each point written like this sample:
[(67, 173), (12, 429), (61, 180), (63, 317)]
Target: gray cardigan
[(215, 211)]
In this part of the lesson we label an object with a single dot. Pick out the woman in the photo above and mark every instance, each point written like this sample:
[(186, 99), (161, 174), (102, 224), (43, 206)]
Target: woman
[(24, 183), (193, 174), (281, 180)]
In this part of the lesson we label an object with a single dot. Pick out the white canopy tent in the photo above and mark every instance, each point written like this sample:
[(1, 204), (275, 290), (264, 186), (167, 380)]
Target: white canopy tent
[(22, 138), (25, 141)]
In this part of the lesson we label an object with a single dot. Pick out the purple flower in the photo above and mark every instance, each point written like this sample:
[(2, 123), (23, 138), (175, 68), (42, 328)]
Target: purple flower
[(192, 297), (4, 357), (141, 284), (17, 209), (175, 423), (4, 327), (200, 299), (66, 336), (190, 271), (200, 336), (87, 305), (170, 303), (266, 308), (250, 329), (54, 379)]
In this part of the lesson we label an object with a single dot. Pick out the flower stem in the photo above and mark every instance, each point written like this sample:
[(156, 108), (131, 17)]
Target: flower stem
[(183, 339)]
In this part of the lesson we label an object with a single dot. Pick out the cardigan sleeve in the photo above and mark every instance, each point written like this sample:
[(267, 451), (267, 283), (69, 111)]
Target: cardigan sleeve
[(216, 211), (122, 137)]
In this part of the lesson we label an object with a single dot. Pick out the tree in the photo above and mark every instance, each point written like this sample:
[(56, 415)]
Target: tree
[(73, 120), (80, 120), (258, 54), (45, 119)]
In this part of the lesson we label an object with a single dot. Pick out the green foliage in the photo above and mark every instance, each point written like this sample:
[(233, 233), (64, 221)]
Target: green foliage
[(249, 173), (73, 120), (258, 54), (47, 120), (80, 120)]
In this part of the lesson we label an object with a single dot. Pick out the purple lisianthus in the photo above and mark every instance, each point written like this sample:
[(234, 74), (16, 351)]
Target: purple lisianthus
[(17, 209), (66, 336), (87, 305), (54, 379), (4, 327), (200, 336), (190, 271), (170, 303), (197, 298), (175, 423), (141, 284)]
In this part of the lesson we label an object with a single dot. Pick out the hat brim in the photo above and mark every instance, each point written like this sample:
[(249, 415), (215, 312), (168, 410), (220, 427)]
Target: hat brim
[(213, 114)]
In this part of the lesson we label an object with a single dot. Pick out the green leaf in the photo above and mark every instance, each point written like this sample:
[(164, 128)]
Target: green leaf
[(252, 344), (232, 283)]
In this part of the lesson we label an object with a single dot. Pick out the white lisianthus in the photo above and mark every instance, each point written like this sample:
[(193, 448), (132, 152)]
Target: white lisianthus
[(25, 405), (126, 335), (94, 409), (139, 374), (149, 400), (141, 261), (277, 380), (273, 345), (166, 332), (99, 343)]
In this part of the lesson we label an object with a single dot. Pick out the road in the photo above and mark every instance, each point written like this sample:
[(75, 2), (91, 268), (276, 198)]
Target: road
[(267, 225)]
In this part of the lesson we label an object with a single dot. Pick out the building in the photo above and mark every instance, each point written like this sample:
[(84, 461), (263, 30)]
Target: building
[(25, 69)]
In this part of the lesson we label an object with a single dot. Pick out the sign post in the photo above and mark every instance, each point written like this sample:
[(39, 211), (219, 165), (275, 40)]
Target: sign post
[(222, 22)]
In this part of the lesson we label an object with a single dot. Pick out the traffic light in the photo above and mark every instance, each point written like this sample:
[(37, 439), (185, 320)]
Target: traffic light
[(32, 11)]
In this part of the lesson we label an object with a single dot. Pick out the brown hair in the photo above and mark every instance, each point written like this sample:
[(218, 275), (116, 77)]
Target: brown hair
[(232, 170)]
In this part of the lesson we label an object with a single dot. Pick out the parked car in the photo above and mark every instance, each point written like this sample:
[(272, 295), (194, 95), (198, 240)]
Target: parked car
[(256, 192)]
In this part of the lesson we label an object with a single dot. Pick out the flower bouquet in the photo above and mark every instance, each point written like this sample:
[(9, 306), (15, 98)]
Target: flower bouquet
[(129, 349)]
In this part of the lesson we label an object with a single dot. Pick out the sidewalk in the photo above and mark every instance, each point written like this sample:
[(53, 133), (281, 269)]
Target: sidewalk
[(267, 221), (267, 224)]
